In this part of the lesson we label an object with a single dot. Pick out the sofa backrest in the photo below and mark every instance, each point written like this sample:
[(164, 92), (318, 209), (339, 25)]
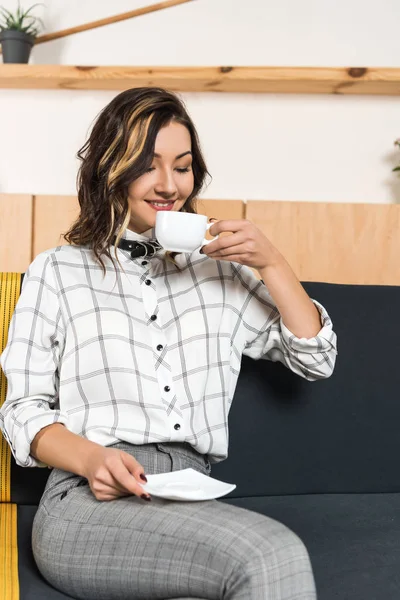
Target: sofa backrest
[(288, 435), (342, 434)]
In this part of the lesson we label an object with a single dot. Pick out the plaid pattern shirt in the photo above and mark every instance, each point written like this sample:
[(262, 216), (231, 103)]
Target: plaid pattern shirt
[(149, 353)]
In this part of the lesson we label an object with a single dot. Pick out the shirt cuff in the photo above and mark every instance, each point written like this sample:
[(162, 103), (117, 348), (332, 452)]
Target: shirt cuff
[(324, 341)]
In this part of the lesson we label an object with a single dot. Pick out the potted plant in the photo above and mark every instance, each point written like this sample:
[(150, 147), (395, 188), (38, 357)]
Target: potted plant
[(17, 34)]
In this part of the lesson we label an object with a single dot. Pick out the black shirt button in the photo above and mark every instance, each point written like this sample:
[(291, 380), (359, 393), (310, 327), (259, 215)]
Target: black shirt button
[(159, 347), (153, 317), (144, 263), (167, 388), (177, 426), (148, 282)]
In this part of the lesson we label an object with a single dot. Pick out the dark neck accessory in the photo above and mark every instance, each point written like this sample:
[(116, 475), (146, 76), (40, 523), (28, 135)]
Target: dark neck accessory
[(139, 249)]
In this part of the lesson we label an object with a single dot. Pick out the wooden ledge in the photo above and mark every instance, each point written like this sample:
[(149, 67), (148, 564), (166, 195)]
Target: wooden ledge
[(290, 80)]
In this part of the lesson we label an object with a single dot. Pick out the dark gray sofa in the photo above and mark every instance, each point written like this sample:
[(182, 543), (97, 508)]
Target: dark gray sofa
[(321, 457)]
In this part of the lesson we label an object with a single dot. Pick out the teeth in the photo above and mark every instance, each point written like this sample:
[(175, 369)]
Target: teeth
[(161, 204)]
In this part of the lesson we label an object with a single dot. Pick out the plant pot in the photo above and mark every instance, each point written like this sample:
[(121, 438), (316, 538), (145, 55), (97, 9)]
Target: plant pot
[(16, 45)]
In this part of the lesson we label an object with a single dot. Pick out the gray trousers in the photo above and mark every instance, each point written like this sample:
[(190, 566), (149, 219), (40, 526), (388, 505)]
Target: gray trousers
[(130, 549)]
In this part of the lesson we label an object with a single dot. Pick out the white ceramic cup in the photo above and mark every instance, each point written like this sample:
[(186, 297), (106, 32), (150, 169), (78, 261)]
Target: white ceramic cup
[(180, 231)]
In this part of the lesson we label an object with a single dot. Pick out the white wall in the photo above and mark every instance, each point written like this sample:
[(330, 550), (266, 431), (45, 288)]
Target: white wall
[(281, 147)]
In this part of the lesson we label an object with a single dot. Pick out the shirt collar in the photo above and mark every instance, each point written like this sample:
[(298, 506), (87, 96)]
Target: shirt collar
[(141, 237), (180, 259), (150, 234)]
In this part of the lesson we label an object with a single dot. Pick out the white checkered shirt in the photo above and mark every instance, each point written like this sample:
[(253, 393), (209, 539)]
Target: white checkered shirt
[(150, 353)]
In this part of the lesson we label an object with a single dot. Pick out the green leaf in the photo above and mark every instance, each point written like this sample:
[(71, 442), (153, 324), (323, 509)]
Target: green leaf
[(21, 20), (29, 30), (39, 21), (10, 23), (29, 22), (6, 15), (396, 168), (32, 7), (6, 12)]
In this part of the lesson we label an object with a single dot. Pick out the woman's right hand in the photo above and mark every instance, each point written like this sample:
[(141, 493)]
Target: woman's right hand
[(112, 473)]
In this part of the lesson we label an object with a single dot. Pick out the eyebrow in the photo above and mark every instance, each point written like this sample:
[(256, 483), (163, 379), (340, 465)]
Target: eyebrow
[(176, 157)]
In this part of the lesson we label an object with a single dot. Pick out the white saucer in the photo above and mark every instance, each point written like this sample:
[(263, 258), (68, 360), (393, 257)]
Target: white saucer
[(186, 484)]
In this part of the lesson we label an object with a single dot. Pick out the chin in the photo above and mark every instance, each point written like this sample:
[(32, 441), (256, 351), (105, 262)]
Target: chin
[(151, 223), (142, 226)]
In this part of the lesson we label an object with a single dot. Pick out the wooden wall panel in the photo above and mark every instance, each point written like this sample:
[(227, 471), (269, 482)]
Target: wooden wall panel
[(222, 209), (15, 232), (334, 242), (52, 216)]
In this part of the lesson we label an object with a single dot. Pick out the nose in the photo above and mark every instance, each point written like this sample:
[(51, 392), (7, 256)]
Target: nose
[(166, 185)]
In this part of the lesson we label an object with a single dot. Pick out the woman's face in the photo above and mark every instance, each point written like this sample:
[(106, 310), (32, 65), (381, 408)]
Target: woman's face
[(169, 181)]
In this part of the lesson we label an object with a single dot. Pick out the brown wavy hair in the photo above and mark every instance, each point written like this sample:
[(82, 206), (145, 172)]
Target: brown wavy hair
[(120, 149)]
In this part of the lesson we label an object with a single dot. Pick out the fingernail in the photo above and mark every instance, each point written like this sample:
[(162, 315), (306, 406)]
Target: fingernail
[(143, 476), (145, 497), (212, 219)]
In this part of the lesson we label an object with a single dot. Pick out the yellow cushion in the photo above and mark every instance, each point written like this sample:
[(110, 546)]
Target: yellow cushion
[(10, 286)]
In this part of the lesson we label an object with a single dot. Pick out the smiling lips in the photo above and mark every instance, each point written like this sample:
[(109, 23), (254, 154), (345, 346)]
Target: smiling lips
[(158, 205)]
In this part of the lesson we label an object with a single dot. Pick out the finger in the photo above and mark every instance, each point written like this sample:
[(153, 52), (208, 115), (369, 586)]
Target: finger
[(236, 243), (134, 467), (225, 252), (238, 258), (229, 225), (224, 242), (110, 495), (104, 478), (117, 487), (110, 483), (100, 490), (109, 486), (125, 479), (105, 483), (136, 470), (106, 497)]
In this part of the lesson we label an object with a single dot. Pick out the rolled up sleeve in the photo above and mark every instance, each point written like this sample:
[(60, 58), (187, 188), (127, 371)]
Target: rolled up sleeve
[(267, 337), (30, 362)]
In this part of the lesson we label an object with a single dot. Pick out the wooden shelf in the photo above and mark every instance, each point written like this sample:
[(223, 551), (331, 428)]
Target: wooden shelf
[(290, 80)]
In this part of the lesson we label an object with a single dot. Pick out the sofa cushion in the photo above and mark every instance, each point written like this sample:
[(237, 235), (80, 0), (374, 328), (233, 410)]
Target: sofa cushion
[(353, 540)]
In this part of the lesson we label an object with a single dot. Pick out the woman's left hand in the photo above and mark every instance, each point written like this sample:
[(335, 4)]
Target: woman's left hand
[(247, 245)]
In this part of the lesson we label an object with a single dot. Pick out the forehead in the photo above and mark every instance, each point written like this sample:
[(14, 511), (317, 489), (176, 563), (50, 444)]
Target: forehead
[(173, 139)]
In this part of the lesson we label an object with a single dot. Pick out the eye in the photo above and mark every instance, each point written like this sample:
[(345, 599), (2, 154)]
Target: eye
[(183, 170), (150, 169)]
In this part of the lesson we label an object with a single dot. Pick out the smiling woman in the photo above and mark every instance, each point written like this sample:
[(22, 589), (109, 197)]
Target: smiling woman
[(142, 155), (116, 371)]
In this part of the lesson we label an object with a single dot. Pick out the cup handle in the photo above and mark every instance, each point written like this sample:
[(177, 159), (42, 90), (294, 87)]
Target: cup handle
[(205, 242)]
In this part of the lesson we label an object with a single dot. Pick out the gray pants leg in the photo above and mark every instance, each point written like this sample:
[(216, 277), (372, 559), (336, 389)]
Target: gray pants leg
[(129, 549)]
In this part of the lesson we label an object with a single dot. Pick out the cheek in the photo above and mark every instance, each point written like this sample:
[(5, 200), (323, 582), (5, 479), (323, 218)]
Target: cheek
[(137, 190), (186, 185)]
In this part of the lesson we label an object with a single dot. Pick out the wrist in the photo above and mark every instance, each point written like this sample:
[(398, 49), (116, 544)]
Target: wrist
[(58, 447), (87, 456), (276, 262)]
